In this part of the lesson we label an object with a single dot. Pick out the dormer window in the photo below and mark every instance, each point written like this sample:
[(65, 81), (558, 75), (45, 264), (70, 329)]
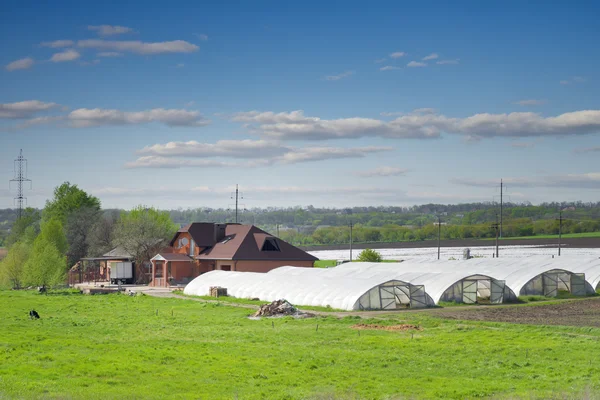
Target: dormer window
[(270, 245)]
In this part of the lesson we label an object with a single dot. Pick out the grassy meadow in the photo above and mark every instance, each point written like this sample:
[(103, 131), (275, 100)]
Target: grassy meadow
[(117, 346)]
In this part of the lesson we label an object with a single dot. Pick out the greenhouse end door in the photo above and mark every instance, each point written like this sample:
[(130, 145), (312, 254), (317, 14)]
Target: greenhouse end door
[(578, 285), (469, 289), (497, 291), (550, 282)]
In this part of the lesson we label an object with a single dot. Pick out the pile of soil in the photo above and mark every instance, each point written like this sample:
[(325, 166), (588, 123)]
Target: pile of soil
[(403, 327), (279, 308)]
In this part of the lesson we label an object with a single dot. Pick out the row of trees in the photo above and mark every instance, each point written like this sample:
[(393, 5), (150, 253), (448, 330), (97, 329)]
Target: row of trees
[(42, 246), (395, 233)]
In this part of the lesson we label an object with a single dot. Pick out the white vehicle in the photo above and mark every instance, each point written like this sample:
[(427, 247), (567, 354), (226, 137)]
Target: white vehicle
[(121, 272)]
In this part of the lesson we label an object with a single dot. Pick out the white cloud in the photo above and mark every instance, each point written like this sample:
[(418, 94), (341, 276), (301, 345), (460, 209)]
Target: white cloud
[(138, 47), (223, 148), (202, 37), (298, 155), (84, 117), (66, 55), (38, 121), (339, 76), (388, 68), (432, 56), (530, 102), (296, 126), (589, 180), (392, 114), (397, 54), (424, 110), (263, 153), (380, 60), (414, 64), (24, 109), (109, 54), (57, 44), (110, 30), (574, 79), (382, 171), (166, 162), (448, 62), (522, 145), (23, 63), (88, 63), (595, 149)]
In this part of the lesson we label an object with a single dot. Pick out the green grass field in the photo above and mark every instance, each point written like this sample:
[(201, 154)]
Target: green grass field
[(117, 346), (332, 263)]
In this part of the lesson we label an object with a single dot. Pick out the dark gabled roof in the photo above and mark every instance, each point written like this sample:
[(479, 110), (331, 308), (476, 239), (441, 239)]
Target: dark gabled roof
[(244, 242), (203, 233)]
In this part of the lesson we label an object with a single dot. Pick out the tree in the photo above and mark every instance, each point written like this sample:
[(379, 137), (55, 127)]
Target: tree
[(369, 255), (53, 232), (78, 212), (68, 198), (101, 235), (80, 223), (46, 266), (30, 218), (143, 232), (11, 268)]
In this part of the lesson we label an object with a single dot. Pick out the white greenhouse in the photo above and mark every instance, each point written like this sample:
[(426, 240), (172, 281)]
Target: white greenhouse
[(409, 284)]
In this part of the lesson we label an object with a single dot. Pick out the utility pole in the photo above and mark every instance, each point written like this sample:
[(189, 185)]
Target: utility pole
[(560, 220), (277, 230), (496, 228), (351, 241), (439, 234), (20, 165), (501, 190), (237, 195)]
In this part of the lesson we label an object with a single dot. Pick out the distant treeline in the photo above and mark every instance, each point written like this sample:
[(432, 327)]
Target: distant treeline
[(312, 225)]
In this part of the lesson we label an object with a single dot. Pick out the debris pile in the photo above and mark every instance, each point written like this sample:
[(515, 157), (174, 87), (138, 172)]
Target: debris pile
[(280, 308)]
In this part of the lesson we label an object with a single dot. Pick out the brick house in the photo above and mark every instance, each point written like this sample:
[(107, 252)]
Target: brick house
[(201, 247)]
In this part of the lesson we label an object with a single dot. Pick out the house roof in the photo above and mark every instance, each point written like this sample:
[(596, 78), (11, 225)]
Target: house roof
[(203, 233), (117, 252), (245, 242), (239, 242), (172, 257)]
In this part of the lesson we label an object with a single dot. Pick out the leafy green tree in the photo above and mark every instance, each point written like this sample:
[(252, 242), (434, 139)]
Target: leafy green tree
[(53, 232), (12, 266), (369, 255), (68, 198), (143, 232), (46, 266), (30, 218)]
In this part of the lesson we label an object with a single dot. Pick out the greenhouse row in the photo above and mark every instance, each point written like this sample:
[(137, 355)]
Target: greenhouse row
[(410, 284)]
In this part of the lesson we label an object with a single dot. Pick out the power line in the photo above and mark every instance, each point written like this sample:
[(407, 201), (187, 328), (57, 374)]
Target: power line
[(20, 165)]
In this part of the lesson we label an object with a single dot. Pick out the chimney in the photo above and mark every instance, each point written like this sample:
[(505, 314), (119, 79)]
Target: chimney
[(219, 232)]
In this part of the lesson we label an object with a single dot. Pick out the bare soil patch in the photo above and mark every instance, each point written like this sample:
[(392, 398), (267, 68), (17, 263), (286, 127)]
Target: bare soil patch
[(3, 253), (570, 313), (395, 328)]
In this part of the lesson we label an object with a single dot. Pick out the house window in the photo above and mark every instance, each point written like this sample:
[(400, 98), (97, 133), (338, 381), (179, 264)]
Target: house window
[(225, 267), (270, 245)]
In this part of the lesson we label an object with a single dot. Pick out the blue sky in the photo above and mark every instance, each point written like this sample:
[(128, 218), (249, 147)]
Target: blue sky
[(323, 103)]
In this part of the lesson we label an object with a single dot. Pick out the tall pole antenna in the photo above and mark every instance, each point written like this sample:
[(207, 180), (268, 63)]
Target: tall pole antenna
[(560, 220), (501, 204), (439, 234), (237, 195), (496, 226), (350, 240), (20, 165)]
